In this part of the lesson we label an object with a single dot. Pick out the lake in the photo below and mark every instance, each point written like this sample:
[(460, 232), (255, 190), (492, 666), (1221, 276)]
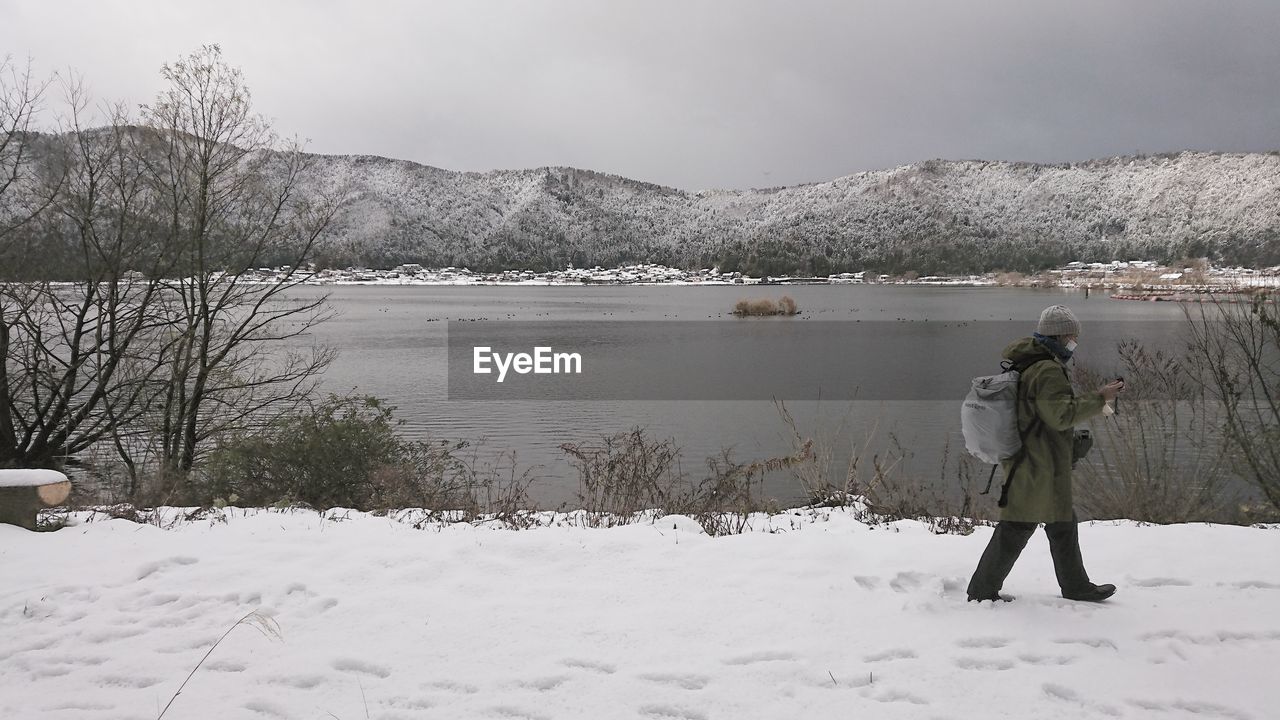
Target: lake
[(392, 343)]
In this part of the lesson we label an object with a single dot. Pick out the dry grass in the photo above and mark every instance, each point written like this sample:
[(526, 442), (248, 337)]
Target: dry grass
[(264, 624), (1162, 458), (784, 305), (875, 481), (460, 480), (627, 477)]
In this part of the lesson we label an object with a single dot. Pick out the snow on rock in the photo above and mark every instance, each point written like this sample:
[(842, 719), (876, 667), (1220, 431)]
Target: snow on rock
[(30, 478), (811, 615)]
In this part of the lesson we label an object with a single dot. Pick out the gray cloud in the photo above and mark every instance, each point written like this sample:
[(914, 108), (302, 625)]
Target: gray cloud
[(700, 94)]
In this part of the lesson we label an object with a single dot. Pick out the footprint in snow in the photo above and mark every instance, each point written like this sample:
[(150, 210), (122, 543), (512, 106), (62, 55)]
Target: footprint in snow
[(759, 657), (968, 663), (1195, 707), (198, 643), (352, 665), (266, 709), (671, 711), (1256, 585), (1163, 635), (892, 654), (906, 581), (1161, 582), (516, 713), (983, 642), (1091, 642), (867, 582), (127, 681), (36, 646), (901, 696), (453, 687), (152, 568), (301, 682), (297, 588), (401, 702), (82, 660), (1033, 659), (106, 636), (1216, 638), (547, 684), (685, 681), (1062, 692), (591, 665)]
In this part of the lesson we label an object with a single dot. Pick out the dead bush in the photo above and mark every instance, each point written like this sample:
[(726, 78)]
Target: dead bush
[(1162, 458), (784, 305), (875, 483), (628, 474)]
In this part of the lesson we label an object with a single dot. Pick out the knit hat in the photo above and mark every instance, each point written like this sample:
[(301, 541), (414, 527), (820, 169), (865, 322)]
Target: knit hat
[(1058, 320)]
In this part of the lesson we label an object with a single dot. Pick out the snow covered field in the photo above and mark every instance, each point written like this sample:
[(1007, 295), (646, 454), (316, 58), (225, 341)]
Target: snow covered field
[(823, 618)]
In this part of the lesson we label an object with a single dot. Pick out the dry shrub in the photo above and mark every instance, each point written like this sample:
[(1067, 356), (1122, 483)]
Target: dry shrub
[(457, 480), (629, 475), (874, 481), (784, 305), (1236, 351), (950, 504), (1162, 457), (625, 474), (724, 502)]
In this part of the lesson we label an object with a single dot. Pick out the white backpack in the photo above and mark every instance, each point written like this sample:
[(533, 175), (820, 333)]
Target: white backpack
[(989, 417), (989, 421)]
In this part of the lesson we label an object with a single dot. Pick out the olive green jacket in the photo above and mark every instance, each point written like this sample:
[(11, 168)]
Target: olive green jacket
[(1048, 410)]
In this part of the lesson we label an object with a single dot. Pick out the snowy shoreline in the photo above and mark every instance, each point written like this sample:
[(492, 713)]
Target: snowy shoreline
[(1117, 275), (1145, 276)]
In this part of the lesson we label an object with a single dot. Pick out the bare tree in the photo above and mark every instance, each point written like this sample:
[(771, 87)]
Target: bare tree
[(79, 356), (1237, 346), (21, 96), (232, 202)]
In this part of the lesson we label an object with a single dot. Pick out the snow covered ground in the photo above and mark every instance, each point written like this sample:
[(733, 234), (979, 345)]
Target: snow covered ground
[(823, 618)]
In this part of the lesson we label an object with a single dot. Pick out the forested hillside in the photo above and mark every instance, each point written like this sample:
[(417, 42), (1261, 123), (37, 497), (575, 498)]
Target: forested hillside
[(935, 216)]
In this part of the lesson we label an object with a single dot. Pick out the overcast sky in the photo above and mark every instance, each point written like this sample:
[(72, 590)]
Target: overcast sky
[(699, 94)]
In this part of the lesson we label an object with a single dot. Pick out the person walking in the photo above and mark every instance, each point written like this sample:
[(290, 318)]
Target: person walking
[(1038, 480)]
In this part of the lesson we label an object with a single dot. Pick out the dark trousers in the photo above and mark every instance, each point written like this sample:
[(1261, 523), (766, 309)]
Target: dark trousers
[(1006, 545)]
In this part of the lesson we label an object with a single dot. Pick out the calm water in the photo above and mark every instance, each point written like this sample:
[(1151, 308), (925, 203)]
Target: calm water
[(392, 344)]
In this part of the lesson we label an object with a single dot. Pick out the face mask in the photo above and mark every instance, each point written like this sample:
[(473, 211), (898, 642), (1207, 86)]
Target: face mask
[(1071, 346)]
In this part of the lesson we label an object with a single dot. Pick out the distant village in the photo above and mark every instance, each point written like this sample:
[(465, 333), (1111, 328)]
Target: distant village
[(1134, 274)]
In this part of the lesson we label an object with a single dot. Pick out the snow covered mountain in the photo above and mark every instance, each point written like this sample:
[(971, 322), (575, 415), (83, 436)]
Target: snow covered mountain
[(934, 216)]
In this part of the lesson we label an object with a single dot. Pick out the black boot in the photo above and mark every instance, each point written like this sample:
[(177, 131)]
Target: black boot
[(1093, 593), (998, 596), (1064, 546)]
